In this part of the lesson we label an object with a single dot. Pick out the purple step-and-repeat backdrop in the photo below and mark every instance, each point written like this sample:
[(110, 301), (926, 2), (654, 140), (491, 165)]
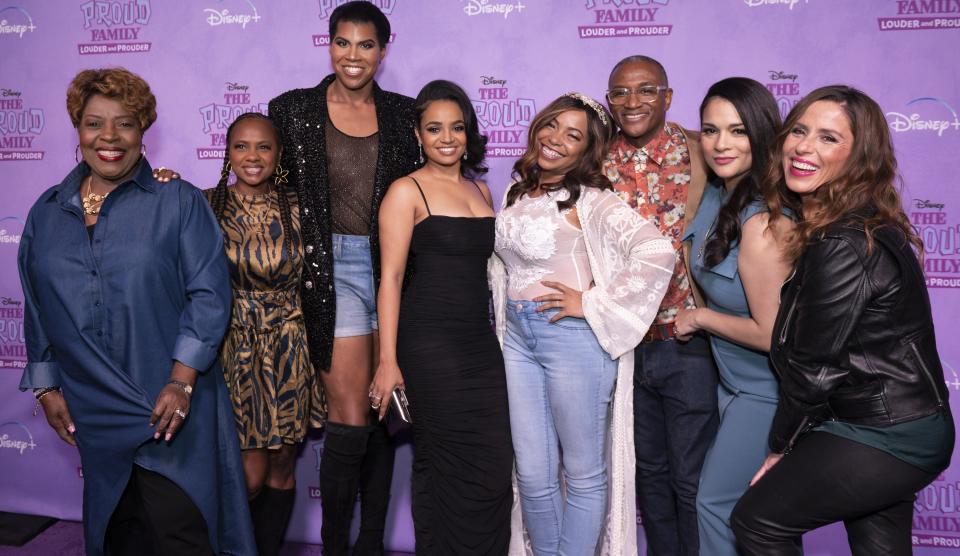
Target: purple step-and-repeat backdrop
[(210, 60)]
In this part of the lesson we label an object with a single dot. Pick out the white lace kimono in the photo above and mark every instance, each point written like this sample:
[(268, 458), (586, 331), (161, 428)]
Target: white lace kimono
[(632, 264)]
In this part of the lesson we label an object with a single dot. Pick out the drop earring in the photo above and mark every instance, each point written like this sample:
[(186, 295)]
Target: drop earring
[(420, 146)]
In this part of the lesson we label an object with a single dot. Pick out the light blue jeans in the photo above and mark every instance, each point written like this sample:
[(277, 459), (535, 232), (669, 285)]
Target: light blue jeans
[(353, 283), (560, 383)]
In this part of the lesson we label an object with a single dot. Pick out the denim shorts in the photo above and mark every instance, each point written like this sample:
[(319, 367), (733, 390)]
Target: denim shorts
[(353, 282)]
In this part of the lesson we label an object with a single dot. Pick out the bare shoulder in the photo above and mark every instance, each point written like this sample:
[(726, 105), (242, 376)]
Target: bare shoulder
[(484, 190), (403, 187), (762, 239)]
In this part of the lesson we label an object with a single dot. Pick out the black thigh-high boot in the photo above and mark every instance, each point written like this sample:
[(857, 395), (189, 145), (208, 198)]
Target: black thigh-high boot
[(343, 449), (271, 511), (376, 474)]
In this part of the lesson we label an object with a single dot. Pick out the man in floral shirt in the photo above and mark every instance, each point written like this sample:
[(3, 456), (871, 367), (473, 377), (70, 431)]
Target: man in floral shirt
[(656, 167)]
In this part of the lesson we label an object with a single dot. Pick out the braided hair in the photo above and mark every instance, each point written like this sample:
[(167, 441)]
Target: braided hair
[(218, 199)]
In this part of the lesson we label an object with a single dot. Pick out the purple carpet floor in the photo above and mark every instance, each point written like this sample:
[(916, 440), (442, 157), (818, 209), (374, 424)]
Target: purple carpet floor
[(65, 538)]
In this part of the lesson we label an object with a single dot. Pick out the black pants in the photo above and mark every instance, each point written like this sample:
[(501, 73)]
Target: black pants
[(826, 479), (155, 517)]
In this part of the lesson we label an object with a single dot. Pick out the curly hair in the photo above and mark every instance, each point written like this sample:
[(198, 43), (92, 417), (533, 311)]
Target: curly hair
[(589, 169), (114, 83), (218, 200), (472, 167), (761, 120), (868, 180)]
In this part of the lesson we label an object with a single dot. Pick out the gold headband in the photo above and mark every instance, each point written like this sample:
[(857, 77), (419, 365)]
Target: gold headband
[(592, 104)]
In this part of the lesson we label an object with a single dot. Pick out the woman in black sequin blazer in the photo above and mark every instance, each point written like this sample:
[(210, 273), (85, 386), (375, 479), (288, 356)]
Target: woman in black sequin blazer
[(333, 133)]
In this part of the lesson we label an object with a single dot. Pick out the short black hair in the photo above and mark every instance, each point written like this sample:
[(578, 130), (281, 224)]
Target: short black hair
[(440, 89), (360, 11), (639, 58)]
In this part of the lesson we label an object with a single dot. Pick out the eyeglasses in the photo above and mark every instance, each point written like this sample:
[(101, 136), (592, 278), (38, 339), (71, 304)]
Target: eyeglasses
[(646, 93)]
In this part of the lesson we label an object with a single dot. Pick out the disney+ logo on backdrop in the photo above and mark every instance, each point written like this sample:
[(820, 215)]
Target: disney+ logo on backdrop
[(922, 15), (504, 120), (217, 117), (624, 18), (486, 7), (941, 242), (790, 4), (20, 126), (115, 26), (20, 21), (946, 119), (15, 436), (218, 17), (327, 7)]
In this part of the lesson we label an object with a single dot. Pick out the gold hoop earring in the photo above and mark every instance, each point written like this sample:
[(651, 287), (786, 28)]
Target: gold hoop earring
[(76, 153), (225, 173)]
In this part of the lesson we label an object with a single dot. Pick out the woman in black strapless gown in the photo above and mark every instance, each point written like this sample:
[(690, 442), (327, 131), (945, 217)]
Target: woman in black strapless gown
[(438, 334)]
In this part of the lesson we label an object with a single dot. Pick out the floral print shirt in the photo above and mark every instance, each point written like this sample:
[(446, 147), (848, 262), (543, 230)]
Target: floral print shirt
[(653, 180)]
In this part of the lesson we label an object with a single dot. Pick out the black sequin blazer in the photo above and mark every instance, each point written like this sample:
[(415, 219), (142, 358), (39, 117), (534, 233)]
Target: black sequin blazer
[(301, 114)]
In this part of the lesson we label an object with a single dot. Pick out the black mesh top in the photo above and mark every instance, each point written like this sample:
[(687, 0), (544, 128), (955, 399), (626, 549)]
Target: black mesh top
[(352, 165)]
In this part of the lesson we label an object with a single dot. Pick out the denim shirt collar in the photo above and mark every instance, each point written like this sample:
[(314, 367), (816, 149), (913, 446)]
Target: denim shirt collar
[(68, 191)]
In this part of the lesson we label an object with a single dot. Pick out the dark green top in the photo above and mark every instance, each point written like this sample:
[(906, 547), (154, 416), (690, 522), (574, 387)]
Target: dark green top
[(926, 442)]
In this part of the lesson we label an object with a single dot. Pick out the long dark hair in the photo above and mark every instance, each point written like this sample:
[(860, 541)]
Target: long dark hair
[(761, 120), (472, 167), (218, 201), (868, 179), (589, 169)]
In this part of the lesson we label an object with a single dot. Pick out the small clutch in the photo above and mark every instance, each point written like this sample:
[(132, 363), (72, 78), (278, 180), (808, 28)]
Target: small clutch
[(400, 405)]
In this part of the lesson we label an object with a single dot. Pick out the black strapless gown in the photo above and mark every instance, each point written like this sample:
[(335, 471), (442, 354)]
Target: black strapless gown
[(453, 369)]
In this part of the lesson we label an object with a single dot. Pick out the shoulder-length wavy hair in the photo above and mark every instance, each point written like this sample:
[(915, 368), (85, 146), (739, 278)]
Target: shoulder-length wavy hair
[(867, 183), (761, 120), (472, 166), (588, 171)]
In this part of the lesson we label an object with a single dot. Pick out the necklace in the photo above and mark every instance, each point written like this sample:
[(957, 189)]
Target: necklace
[(92, 202), (262, 216)]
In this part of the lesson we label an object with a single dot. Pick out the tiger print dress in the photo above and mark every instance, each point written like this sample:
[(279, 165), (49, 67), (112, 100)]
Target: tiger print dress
[(276, 394)]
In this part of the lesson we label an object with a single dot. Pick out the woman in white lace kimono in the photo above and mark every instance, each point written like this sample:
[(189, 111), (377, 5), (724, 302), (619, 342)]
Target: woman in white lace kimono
[(576, 279)]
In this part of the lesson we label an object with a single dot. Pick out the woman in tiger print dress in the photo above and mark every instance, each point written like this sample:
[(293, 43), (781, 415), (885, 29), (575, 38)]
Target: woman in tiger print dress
[(275, 392)]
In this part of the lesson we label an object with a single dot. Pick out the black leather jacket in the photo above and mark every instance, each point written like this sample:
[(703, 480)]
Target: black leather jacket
[(301, 115), (853, 340)]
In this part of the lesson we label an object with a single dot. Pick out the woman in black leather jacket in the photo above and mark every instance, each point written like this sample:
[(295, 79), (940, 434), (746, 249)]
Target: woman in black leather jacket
[(863, 421)]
